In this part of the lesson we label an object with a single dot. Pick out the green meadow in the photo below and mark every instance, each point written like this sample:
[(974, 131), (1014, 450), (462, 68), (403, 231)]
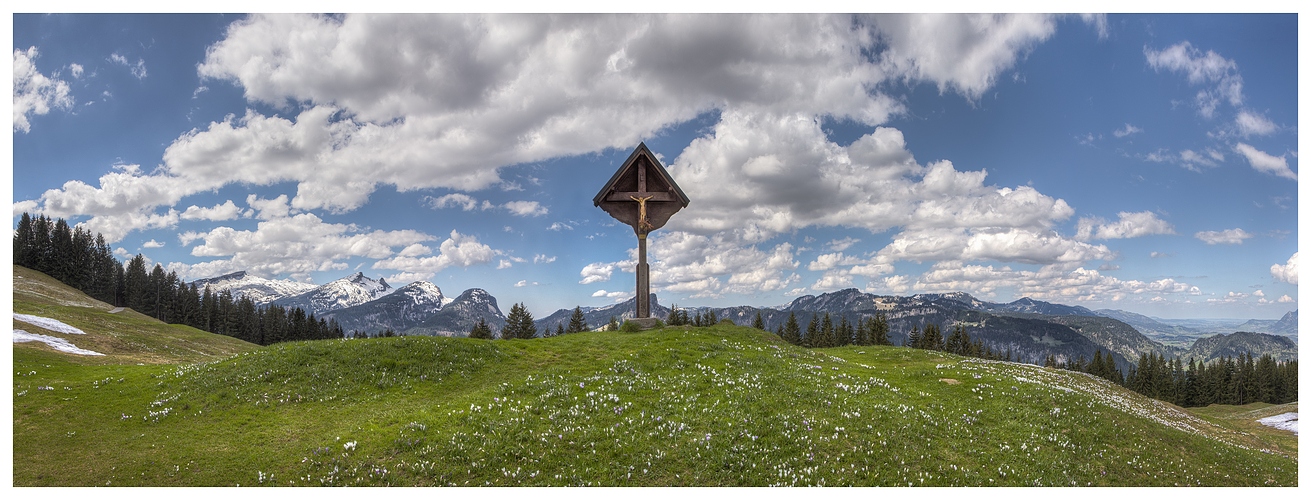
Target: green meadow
[(715, 406)]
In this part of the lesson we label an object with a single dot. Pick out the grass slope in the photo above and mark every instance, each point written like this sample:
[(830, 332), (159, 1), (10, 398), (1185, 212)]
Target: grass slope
[(125, 337), (722, 405)]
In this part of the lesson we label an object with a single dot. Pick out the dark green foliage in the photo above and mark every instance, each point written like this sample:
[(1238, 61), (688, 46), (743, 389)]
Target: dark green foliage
[(576, 322), (791, 331), (759, 322), (959, 342), (559, 330), (481, 330), (84, 261), (613, 325), (519, 324), (812, 333), (878, 330), (678, 317), (710, 318)]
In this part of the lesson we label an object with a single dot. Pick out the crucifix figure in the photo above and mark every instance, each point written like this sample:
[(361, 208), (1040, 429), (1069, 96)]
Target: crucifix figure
[(643, 225), (641, 179)]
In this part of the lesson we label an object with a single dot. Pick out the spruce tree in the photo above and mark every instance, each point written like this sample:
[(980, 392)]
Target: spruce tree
[(481, 330), (519, 324), (812, 332), (613, 325), (879, 331), (791, 330), (759, 322), (827, 338), (576, 322)]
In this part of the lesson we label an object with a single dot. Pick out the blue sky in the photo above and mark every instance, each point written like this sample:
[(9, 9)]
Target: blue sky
[(1138, 162)]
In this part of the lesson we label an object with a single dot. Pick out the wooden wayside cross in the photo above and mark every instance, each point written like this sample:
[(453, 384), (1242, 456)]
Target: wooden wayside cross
[(641, 194)]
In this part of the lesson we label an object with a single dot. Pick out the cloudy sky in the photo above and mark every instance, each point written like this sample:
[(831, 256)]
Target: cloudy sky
[(1144, 163)]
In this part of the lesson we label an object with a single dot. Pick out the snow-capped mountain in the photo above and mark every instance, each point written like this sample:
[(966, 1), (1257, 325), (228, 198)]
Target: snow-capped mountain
[(350, 291), (457, 317), (399, 310), (261, 291)]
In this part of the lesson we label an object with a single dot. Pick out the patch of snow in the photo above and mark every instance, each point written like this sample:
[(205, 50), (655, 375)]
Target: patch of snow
[(1285, 421), (54, 342), (53, 325)]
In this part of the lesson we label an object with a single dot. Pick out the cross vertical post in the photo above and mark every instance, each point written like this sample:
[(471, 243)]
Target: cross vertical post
[(642, 195)]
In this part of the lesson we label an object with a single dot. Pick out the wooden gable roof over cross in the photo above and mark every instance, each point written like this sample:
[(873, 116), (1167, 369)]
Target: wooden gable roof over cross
[(641, 177)]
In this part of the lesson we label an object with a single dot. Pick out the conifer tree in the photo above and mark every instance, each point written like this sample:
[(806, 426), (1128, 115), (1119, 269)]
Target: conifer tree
[(519, 323), (759, 322), (481, 330), (791, 330), (576, 322), (812, 332), (827, 338), (915, 339), (613, 325), (879, 331)]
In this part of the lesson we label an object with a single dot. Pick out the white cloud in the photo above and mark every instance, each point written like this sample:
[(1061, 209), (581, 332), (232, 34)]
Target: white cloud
[(1250, 123), (224, 211), (483, 92), (616, 296), (1264, 162), (596, 272), (1127, 130), (525, 208), (1233, 236), (1047, 283), (1220, 74), (76, 69), (842, 244), (1284, 299), (559, 226), (138, 69), (297, 245), (1258, 293), (543, 259), (152, 244), (35, 93), (469, 203), (1130, 225), (458, 250), (1286, 272), (1097, 21), (524, 283), (965, 53)]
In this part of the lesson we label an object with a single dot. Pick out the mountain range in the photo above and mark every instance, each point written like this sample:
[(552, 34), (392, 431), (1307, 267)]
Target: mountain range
[(1030, 330)]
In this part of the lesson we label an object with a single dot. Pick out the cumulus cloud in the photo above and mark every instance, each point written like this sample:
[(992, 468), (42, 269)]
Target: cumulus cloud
[(1219, 75), (543, 259), (842, 244), (458, 250), (452, 99), (35, 93), (469, 203), (1285, 299), (224, 211), (1286, 272), (616, 296), (1250, 123), (301, 244), (1265, 162), (965, 53), (152, 244), (596, 272), (1047, 283), (1130, 225), (1233, 236)]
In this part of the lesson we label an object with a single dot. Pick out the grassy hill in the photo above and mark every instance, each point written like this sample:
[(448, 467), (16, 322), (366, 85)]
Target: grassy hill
[(724, 405), (712, 406), (125, 337)]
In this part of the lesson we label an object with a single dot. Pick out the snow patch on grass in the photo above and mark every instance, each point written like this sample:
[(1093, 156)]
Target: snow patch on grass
[(55, 342), (1285, 421), (53, 325)]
